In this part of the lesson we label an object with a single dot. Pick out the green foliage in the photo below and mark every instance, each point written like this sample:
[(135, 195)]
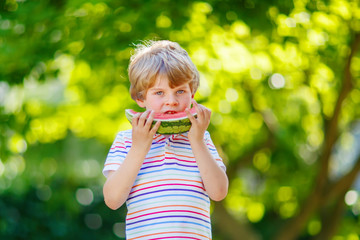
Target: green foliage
[(281, 77)]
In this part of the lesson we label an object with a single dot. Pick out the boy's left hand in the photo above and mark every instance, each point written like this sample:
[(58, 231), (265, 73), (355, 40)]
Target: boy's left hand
[(199, 124)]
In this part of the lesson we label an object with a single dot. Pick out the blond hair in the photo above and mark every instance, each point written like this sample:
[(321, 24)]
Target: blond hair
[(156, 58)]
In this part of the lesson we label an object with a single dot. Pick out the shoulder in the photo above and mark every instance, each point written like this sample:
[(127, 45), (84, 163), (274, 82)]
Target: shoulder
[(207, 135), (208, 140), (127, 134)]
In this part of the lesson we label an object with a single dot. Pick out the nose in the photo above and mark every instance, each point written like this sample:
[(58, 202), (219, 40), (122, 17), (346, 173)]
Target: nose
[(171, 100)]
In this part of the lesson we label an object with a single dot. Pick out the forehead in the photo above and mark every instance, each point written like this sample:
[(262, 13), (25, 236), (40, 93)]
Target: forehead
[(162, 81)]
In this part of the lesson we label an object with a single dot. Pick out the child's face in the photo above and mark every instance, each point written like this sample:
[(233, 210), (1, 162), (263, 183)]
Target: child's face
[(163, 99)]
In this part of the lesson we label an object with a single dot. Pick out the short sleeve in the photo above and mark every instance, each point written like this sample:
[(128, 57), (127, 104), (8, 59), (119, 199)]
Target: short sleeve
[(117, 153), (213, 151)]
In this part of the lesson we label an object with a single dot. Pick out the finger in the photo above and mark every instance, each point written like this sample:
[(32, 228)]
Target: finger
[(190, 116), (155, 127), (150, 119), (143, 117), (207, 115), (135, 119), (200, 111), (207, 112), (193, 102)]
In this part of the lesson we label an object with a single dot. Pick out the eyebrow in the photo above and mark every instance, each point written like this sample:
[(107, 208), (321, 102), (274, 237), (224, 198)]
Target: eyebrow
[(156, 89), (175, 88)]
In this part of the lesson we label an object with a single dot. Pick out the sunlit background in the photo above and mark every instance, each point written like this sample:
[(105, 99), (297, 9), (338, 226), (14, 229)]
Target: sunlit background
[(281, 78)]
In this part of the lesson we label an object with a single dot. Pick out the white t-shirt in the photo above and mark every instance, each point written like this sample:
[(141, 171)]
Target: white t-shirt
[(168, 198)]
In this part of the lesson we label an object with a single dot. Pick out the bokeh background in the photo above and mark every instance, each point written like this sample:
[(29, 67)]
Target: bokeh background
[(281, 77)]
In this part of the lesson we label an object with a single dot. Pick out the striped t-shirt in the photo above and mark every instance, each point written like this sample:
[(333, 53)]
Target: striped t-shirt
[(168, 199)]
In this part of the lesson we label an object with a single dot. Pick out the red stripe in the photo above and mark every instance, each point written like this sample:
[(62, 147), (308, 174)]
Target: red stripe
[(169, 211), (162, 185), (148, 235)]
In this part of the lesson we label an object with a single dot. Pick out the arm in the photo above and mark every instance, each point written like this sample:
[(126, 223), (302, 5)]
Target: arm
[(119, 183), (214, 178)]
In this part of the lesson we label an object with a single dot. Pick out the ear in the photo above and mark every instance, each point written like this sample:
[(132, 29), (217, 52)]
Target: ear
[(140, 102)]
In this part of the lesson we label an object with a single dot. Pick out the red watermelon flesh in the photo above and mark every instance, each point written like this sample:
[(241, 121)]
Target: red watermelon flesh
[(166, 116), (170, 123)]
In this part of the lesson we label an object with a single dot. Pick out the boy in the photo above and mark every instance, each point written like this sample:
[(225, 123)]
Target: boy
[(166, 180)]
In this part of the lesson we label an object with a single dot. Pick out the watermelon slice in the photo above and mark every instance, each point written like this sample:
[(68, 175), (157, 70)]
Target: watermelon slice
[(170, 123)]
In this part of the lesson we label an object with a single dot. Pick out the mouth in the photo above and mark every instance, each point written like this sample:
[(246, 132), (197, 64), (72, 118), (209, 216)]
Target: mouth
[(170, 112)]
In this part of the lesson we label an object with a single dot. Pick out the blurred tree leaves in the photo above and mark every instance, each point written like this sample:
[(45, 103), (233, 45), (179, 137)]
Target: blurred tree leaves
[(282, 79)]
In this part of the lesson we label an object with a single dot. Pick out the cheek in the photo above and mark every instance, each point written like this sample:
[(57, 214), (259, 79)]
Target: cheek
[(187, 102), (155, 103)]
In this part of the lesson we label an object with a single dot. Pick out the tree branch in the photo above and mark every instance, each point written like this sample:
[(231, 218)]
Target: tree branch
[(331, 222), (344, 183), (315, 199), (331, 132)]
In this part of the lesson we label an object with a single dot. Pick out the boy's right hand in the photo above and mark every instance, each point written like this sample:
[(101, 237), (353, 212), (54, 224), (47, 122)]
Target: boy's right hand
[(142, 132)]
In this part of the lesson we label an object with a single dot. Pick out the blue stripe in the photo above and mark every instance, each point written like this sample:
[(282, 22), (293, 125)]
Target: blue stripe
[(182, 165), (183, 143), (159, 143), (168, 195), (116, 155), (166, 190), (118, 151), (194, 223), (165, 169), (171, 216), (160, 146), (181, 147)]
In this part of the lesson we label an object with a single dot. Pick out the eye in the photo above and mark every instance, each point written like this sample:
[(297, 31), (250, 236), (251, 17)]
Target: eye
[(159, 93), (180, 91)]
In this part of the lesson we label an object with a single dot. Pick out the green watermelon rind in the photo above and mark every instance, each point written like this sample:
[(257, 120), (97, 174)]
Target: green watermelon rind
[(168, 127)]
